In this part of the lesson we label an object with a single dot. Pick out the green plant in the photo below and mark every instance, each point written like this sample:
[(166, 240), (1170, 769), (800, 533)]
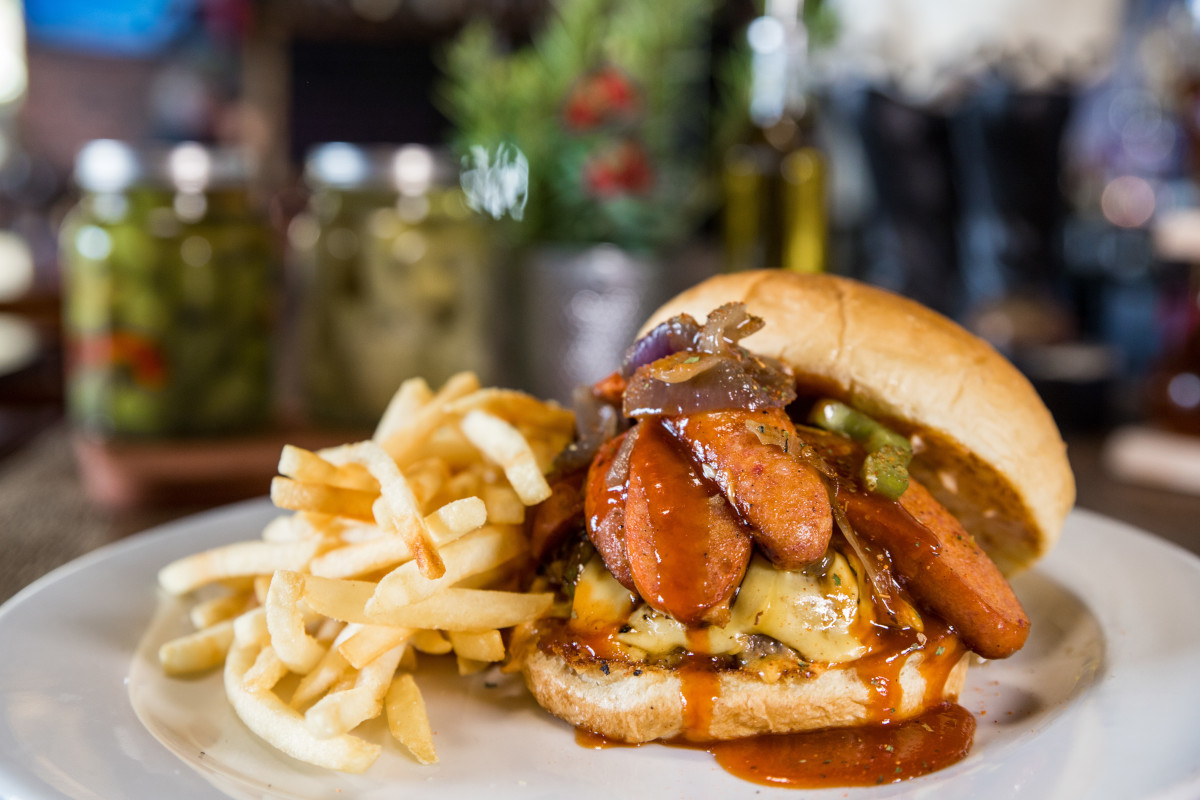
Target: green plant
[(608, 104)]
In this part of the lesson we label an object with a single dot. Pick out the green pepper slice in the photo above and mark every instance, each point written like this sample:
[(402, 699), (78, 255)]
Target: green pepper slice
[(885, 469)]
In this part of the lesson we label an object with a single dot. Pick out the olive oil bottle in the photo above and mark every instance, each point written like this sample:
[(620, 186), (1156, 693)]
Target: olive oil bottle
[(774, 181)]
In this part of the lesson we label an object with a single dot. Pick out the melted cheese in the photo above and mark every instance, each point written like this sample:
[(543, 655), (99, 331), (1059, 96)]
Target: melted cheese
[(599, 597), (810, 610)]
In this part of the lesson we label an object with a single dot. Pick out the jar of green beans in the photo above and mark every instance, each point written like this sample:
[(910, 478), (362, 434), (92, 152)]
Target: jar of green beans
[(170, 274), (396, 275)]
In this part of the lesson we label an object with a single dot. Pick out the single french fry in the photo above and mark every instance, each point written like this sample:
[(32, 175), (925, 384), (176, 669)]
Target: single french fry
[(308, 467), (266, 671), (408, 399), (197, 651), (250, 628), (448, 610), (218, 609), (469, 666), (432, 642), (445, 525), (285, 622), (284, 728), (499, 441), (339, 712), (467, 610), (328, 671), (371, 642), (503, 506), (408, 720), (290, 494), (403, 509), (478, 645), (476, 552), (242, 559)]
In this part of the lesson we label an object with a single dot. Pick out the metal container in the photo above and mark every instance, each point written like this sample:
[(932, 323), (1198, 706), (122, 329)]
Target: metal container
[(581, 309)]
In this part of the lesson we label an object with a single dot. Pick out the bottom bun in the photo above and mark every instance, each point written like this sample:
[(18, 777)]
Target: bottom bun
[(644, 703)]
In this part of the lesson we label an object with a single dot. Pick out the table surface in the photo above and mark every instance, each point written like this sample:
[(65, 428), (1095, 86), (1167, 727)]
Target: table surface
[(46, 520)]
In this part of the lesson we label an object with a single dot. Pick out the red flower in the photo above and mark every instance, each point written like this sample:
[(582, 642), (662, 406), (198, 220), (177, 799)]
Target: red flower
[(620, 169), (600, 97)]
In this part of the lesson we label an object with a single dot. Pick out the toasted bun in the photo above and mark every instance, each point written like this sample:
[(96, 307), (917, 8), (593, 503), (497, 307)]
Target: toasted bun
[(986, 445), (645, 704)]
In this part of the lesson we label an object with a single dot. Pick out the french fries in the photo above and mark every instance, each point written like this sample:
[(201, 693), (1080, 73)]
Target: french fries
[(407, 719), (396, 546)]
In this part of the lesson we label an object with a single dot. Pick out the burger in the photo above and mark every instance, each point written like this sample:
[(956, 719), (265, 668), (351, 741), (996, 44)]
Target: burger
[(794, 507)]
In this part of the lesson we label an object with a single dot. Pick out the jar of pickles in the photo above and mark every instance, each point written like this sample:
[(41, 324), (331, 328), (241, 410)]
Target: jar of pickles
[(396, 276), (169, 274)]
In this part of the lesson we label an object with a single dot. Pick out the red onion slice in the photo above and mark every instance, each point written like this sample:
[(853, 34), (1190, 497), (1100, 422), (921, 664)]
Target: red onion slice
[(677, 333), (595, 424), (618, 472)]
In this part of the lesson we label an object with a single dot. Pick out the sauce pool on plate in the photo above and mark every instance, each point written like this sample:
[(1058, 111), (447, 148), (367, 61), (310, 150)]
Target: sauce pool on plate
[(860, 756)]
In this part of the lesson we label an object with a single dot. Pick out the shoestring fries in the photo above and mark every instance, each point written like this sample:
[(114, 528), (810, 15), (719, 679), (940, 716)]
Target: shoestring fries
[(396, 546)]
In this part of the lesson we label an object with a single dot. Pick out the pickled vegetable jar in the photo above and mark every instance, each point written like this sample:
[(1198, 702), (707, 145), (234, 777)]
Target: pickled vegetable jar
[(396, 276), (169, 274)]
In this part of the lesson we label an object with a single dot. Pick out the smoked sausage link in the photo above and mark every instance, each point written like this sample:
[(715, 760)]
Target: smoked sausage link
[(783, 499), (687, 548), (944, 568), (604, 514)]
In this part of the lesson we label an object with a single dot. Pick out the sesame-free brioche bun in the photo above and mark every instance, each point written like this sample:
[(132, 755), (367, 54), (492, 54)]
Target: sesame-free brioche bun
[(640, 703), (985, 445)]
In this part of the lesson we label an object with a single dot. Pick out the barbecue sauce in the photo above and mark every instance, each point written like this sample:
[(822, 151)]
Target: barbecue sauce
[(860, 756), (864, 755)]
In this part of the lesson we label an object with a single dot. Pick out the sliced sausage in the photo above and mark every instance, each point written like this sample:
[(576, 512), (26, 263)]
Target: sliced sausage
[(604, 514), (784, 500), (688, 549), (553, 518), (943, 567), (935, 558)]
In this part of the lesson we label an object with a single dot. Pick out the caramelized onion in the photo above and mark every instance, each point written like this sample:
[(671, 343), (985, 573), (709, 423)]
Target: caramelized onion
[(878, 576), (595, 424), (727, 383), (682, 366), (678, 333), (725, 326), (618, 473), (770, 434)]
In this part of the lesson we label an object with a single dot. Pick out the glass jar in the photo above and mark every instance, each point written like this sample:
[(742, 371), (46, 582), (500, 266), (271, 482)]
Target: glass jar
[(169, 278), (396, 270)]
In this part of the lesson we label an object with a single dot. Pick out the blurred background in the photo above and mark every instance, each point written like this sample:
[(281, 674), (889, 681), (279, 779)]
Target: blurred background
[(230, 224)]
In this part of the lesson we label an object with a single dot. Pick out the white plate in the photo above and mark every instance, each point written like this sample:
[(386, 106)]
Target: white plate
[(1101, 703)]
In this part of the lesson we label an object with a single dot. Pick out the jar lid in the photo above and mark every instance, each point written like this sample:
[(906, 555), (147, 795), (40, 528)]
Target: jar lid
[(108, 165), (411, 169)]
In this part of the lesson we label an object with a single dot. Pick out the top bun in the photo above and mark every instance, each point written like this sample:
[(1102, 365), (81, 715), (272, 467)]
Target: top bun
[(984, 443)]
